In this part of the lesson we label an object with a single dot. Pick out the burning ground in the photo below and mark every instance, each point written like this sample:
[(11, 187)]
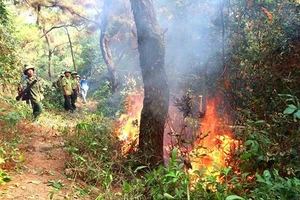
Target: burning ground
[(204, 140)]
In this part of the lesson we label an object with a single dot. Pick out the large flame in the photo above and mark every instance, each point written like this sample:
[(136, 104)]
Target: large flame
[(129, 122), (214, 141), (210, 149)]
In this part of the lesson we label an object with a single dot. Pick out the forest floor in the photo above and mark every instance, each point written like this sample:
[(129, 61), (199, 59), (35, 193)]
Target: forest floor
[(40, 172)]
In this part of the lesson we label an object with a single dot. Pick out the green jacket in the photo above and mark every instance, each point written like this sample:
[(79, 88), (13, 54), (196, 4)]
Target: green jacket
[(75, 83), (35, 94), (67, 83)]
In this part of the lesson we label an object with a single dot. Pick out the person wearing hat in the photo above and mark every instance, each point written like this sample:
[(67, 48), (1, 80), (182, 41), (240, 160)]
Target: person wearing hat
[(75, 88), (66, 84), (35, 93)]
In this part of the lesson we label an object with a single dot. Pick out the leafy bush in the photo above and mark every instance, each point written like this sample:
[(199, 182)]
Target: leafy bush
[(169, 182), (94, 150), (272, 186), (4, 178), (53, 98), (9, 152), (293, 106)]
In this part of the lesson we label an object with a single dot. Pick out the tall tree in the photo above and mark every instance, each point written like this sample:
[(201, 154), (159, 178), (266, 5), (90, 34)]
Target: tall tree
[(156, 90), (71, 48), (105, 50)]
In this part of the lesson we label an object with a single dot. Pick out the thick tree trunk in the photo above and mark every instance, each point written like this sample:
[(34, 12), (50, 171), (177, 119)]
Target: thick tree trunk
[(156, 90)]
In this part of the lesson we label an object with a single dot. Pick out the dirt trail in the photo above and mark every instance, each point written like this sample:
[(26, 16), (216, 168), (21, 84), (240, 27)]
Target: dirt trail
[(42, 174)]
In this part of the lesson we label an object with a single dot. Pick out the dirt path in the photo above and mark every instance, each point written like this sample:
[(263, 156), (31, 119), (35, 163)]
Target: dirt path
[(42, 174)]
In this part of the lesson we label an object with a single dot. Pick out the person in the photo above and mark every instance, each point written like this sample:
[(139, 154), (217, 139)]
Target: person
[(66, 84), (75, 89), (57, 83), (84, 86), (36, 91), (57, 88)]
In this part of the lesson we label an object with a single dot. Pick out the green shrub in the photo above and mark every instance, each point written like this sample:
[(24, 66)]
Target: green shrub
[(94, 150), (169, 182), (4, 178), (272, 186)]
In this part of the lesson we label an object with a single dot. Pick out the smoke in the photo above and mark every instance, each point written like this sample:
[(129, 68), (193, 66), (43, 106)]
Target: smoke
[(191, 37), (193, 42)]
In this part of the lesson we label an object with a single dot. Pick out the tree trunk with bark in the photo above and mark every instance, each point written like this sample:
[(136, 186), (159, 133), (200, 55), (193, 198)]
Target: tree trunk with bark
[(49, 53), (156, 90), (105, 50), (71, 48)]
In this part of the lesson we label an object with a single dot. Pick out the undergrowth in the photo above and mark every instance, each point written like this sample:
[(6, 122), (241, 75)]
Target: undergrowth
[(265, 165), (10, 115), (252, 173)]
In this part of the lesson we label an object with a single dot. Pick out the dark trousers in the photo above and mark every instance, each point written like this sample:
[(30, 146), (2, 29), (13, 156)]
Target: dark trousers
[(67, 103), (37, 108), (74, 99)]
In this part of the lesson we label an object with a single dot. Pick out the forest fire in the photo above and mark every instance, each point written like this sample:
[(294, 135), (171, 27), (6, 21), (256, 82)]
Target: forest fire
[(210, 148), (213, 143), (129, 122)]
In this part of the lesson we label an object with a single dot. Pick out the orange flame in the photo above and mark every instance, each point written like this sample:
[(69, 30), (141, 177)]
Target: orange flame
[(129, 122), (211, 146), (213, 143)]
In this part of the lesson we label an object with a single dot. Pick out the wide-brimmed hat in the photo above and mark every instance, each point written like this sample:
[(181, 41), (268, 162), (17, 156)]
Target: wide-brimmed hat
[(27, 67), (67, 71), (74, 72)]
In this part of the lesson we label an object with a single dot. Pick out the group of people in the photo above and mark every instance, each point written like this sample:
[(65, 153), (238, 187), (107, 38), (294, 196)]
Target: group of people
[(69, 83)]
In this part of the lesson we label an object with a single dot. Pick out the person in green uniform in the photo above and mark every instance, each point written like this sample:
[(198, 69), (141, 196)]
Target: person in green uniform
[(66, 84), (35, 93), (57, 84), (75, 88)]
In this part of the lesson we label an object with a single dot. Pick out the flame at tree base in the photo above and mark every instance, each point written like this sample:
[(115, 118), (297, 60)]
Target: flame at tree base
[(210, 149), (128, 131), (213, 144)]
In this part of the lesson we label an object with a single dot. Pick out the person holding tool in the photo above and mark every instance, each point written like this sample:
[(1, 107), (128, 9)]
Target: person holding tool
[(33, 91)]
